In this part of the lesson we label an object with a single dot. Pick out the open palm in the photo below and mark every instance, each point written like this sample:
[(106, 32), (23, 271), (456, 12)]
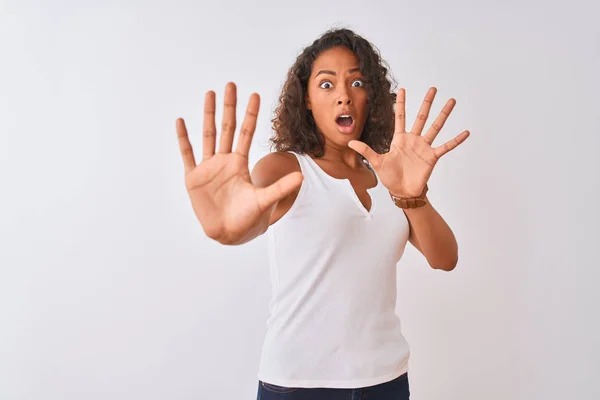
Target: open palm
[(405, 169), (223, 197)]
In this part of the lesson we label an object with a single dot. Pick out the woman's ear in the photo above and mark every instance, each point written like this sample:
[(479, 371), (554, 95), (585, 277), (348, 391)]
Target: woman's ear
[(307, 103)]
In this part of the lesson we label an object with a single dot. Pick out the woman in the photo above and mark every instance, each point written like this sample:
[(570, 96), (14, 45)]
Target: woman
[(339, 199)]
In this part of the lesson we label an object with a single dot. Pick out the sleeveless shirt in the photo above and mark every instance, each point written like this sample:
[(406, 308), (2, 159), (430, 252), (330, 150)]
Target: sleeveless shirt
[(332, 268)]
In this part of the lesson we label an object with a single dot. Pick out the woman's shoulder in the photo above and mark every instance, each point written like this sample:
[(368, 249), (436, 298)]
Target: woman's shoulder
[(274, 166), (268, 170)]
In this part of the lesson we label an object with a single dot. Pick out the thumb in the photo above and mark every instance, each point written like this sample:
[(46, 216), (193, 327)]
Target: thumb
[(278, 190), (364, 150)]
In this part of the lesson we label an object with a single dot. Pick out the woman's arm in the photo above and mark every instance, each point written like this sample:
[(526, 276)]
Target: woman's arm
[(432, 236), (405, 170)]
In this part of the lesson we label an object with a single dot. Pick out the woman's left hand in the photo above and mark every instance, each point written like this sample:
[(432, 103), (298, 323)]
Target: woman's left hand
[(406, 168)]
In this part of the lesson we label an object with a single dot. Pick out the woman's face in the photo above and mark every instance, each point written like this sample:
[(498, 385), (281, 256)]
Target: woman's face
[(337, 95)]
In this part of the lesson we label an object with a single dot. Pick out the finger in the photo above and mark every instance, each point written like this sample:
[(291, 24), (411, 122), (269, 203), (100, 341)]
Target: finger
[(400, 116), (185, 147), (439, 122), (248, 125), (209, 130), (451, 144), (364, 150), (228, 125), (423, 112), (283, 187)]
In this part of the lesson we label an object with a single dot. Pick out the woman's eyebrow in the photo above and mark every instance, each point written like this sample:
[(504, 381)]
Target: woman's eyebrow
[(326, 71)]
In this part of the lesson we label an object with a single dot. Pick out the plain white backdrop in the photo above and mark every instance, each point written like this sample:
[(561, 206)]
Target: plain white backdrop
[(109, 288)]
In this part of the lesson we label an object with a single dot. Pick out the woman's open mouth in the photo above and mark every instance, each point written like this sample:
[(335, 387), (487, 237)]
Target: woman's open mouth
[(345, 123)]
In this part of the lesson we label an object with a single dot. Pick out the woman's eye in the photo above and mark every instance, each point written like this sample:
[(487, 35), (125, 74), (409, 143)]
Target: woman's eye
[(360, 83), (326, 83)]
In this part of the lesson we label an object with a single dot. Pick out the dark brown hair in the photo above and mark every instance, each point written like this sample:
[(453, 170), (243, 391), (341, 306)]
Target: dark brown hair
[(294, 126)]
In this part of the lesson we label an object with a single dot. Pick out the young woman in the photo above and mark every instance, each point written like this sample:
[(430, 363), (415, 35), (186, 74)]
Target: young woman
[(339, 199)]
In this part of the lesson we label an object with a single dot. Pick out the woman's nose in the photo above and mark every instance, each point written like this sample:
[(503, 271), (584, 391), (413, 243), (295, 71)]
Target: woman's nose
[(344, 96)]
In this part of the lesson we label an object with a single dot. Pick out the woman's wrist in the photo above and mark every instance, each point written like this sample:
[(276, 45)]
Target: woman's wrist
[(411, 202)]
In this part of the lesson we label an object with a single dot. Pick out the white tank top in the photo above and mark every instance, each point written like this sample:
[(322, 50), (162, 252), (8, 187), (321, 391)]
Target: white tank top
[(333, 319)]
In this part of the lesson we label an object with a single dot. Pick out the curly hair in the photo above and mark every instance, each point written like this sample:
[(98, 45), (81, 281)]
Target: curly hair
[(294, 126)]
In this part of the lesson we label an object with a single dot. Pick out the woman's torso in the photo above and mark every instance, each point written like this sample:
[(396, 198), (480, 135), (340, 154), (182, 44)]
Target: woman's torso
[(332, 260)]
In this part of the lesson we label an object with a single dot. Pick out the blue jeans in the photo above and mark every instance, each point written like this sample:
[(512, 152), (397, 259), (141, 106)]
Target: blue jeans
[(396, 389)]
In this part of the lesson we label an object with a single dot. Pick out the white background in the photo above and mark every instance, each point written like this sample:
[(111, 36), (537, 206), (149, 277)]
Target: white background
[(109, 288)]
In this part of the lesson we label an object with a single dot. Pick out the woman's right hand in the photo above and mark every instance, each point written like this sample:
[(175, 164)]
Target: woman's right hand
[(227, 204)]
